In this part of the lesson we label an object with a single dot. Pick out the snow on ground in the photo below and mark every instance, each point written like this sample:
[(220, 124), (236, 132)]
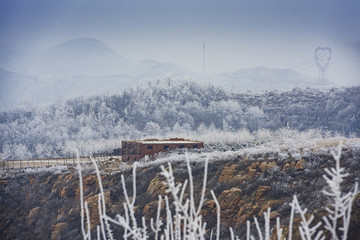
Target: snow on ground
[(281, 149)]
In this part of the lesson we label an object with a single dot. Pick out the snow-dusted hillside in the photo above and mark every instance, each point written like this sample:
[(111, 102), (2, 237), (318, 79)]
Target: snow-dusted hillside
[(262, 78), (172, 109)]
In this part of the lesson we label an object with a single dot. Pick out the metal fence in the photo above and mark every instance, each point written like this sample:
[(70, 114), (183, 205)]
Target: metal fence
[(34, 163)]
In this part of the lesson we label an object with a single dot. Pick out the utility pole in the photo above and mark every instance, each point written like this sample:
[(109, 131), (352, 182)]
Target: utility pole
[(322, 59)]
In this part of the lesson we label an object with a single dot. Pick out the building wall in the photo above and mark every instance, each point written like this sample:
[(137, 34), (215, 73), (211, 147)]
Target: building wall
[(131, 151), (134, 150)]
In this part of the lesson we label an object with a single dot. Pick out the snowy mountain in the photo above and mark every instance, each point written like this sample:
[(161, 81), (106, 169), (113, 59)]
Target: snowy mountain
[(86, 67), (78, 67), (262, 78), (81, 56)]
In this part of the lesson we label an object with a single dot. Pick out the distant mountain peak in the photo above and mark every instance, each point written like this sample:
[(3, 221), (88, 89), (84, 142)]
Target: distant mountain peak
[(83, 40), (80, 56), (82, 43), (83, 47)]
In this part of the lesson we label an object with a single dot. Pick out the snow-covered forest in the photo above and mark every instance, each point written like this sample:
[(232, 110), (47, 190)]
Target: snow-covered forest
[(171, 108)]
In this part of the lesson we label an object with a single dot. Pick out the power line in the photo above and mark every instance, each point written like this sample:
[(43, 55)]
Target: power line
[(304, 65), (307, 61), (305, 68)]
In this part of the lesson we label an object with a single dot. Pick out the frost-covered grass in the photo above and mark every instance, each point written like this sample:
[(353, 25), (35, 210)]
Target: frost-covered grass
[(295, 145), (56, 170), (184, 221), (284, 137)]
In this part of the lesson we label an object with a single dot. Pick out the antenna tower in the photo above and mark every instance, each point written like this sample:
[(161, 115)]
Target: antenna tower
[(322, 59)]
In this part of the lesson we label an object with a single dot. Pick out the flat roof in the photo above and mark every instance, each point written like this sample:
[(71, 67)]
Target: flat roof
[(167, 142)]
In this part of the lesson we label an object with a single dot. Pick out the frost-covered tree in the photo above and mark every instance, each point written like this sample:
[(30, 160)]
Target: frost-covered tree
[(168, 102)]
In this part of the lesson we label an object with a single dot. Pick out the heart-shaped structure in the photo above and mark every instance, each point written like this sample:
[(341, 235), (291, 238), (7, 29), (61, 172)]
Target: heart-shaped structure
[(322, 58)]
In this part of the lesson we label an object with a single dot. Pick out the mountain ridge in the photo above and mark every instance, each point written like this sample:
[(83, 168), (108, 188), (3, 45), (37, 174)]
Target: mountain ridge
[(87, 66)]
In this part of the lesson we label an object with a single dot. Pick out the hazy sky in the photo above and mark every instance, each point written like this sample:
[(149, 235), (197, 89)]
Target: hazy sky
[(237, 33)]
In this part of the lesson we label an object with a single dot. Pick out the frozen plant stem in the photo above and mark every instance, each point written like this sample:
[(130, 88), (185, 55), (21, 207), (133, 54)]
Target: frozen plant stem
[(185, 221), (340, 210), (86, 234)]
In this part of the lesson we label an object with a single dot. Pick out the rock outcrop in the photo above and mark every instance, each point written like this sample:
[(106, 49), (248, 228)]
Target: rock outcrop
[(46, 206)]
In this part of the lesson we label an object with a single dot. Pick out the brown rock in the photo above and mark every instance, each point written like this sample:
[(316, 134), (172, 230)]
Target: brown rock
[(28, 196), (66, 192), (263, 166), (270, 204), (252, 172), (58, 229), (56, 185), (255, 165), (210, 204), (69, 177), (156, 187), (300, 165), (252, 169), (232, 192), (74, 211), (286, 167), (89, 180), (61, 214), (48, 180), (34, 212), (262, 190), (230, 205), (274, 215), (150, 209), (271, 165), (32, 181), (246, 212), (92, 202), (228, 173)]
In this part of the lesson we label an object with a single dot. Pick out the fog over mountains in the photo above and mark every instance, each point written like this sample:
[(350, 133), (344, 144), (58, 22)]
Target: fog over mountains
[(86, 67), (82, 56)]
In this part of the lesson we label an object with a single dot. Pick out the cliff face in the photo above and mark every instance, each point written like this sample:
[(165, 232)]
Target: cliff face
[(47, 206)]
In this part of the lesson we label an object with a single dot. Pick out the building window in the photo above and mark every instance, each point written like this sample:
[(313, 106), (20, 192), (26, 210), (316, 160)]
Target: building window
[(182, 146), (195, 146), (166, 147), (150, 147)]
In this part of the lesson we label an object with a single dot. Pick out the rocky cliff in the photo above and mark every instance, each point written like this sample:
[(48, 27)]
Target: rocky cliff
[(46, 205)]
